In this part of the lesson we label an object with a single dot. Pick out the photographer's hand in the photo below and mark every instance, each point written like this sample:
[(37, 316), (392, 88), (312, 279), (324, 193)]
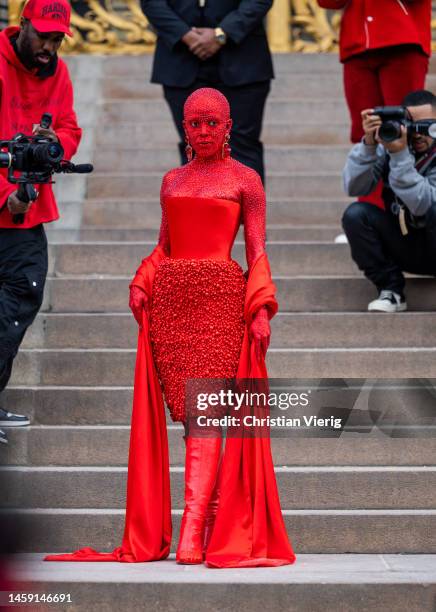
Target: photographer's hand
[(370, 125), (46, 132), (396, 145), (17, 206)]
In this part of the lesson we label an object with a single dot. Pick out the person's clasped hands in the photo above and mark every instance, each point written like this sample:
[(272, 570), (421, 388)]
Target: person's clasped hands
[(202, 42)]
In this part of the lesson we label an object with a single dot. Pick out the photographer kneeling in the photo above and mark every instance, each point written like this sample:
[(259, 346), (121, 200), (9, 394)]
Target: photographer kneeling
[(33, 80), (384, 243)]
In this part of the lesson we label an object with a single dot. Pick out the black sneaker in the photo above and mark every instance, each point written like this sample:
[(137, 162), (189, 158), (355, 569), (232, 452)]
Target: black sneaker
[(8, 419), (3, 437), (388, 301)]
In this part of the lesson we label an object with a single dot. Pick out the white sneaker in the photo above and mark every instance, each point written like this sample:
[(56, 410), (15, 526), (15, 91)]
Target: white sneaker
[(388, 301), (9, 419), (341, 239)]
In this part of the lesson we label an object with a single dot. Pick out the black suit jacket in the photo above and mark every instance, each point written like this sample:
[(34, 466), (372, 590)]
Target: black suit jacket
[(245, 58)]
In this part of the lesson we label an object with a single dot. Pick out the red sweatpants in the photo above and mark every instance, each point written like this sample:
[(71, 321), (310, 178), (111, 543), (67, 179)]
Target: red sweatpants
[(381, 78)]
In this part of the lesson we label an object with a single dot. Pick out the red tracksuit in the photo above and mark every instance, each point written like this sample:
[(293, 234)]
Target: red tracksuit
[(384, 46), (24, 97)]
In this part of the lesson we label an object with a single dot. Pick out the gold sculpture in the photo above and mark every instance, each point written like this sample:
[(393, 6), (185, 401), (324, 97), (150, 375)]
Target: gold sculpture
[(120, 27)]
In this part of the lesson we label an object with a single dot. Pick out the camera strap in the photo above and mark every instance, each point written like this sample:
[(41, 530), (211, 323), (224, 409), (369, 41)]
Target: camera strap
[(427, 160), (402, 219)]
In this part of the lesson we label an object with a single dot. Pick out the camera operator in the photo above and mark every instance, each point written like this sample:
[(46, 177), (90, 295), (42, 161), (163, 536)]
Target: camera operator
[(33, 80), (403, 237)]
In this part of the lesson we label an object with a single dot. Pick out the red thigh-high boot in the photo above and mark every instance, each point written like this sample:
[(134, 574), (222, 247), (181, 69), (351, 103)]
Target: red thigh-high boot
[(212, 508), (201, 463)]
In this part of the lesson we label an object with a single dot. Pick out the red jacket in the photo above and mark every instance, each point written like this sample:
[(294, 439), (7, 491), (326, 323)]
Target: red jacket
[(23, 99), (374, 24)]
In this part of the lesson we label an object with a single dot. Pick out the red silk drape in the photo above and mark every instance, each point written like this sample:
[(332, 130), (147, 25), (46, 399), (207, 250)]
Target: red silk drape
[(249, 530), (148, 529)]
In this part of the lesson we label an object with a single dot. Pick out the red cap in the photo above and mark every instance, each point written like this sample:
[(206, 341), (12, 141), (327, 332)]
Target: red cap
[(49, 15)]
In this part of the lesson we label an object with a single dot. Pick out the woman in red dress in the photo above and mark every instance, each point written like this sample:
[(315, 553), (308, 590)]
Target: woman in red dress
[(200, 318)]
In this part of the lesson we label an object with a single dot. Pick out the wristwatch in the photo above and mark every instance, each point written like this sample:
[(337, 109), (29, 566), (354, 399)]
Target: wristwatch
[(220, 36)]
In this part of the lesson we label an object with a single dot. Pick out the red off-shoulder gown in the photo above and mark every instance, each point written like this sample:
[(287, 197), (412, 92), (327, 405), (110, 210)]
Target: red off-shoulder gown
[(201, 308)]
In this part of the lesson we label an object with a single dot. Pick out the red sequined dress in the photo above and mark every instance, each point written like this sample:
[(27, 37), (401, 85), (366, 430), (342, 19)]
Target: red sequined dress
[(197, 309)]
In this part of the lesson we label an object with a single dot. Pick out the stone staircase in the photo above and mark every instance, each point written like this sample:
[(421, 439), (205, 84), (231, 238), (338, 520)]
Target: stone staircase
[(352, 504)]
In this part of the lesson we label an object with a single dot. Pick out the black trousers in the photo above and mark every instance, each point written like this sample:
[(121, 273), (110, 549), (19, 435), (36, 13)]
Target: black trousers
[(382, 252), (23, 270), (247, 104)]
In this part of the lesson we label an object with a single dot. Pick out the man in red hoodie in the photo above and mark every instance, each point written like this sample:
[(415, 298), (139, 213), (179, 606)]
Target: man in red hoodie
[(33, 80), (384, 47)]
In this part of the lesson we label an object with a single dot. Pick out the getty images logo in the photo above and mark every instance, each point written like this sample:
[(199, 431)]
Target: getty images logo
[(56, 10)]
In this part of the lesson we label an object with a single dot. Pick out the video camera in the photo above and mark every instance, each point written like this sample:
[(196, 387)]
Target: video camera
[(36, 158), (393, 117)]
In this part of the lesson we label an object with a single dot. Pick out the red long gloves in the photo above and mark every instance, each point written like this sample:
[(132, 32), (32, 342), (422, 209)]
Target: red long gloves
[(137, 303)]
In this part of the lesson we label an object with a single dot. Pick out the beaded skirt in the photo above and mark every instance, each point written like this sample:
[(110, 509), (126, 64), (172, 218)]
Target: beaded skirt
[(196, 324)]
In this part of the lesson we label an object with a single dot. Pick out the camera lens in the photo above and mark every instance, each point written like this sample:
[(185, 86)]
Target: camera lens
[(47, 153), (390, 130), (5, 160)]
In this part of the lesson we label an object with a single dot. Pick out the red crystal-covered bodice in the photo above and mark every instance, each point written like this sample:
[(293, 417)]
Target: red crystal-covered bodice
[(202, 228)]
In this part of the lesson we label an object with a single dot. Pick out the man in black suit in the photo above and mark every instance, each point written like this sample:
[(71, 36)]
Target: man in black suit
[(221, 44)]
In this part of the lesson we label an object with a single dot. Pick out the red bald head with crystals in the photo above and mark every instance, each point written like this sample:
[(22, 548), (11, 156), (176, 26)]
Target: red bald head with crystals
[(207, 122)]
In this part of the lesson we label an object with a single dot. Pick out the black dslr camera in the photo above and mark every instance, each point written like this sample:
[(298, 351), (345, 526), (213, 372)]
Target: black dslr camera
[(393, 117), (32, 160)]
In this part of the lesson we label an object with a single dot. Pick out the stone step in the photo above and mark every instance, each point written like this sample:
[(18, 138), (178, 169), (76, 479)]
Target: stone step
[(311, 531), (306, 487), (295, 294), (135, 185), (288, 85), (296, 233), (314, 583), (274, 133), (112, 406), (402, 410), (87, 445), (289, 330), (92, 367), (146, 212), (143, 111), (280, 158), (122, 258), (139, 65)]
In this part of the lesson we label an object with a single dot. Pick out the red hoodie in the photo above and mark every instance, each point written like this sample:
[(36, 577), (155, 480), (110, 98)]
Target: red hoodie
[(24, 97), (374, 24)]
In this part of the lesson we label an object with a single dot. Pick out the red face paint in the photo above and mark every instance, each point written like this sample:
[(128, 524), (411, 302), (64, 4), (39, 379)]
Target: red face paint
[(206, 122)]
